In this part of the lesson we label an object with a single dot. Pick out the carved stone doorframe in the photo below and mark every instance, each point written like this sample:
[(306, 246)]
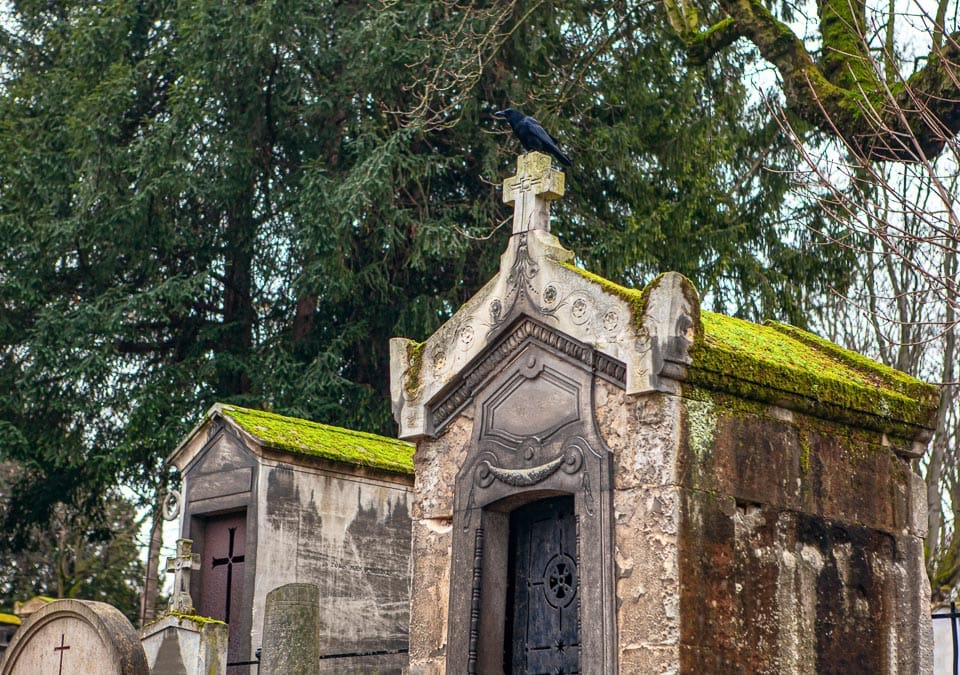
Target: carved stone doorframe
[(534, 437)]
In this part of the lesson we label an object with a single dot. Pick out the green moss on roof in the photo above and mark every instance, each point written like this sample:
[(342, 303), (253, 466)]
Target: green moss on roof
[(9, 619), (768, 361), (304, 437), (196, 618)]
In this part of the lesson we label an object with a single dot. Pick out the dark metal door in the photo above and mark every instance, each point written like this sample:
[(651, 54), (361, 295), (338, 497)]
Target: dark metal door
[(542, 621), (221, 594)]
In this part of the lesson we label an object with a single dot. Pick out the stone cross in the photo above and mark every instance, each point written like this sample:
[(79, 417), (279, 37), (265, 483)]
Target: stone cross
[(536, 184), (181, 566)]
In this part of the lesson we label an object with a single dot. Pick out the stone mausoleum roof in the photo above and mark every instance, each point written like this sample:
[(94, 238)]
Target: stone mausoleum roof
[(313, 439), (780, 364)]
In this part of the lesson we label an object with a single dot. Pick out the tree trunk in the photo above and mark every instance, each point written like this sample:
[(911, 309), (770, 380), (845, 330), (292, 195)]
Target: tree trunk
[(148, 599), (841, 91)]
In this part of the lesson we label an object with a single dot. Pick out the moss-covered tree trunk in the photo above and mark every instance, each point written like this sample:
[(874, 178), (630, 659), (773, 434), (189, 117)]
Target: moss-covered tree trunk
[(843, 91)]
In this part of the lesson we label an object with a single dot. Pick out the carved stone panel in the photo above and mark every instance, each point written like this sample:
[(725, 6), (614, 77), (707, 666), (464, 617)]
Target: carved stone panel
[(535, 439)]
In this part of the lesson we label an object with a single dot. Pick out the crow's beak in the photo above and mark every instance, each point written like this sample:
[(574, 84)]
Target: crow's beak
[(500, 113)]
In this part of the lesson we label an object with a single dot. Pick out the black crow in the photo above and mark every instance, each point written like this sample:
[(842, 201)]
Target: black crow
[(532, 136)]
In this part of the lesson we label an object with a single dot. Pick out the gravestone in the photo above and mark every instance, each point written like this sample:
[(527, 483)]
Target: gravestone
[(701, 493), (270, 500), (76, 636), (291, 631), (183, 642)]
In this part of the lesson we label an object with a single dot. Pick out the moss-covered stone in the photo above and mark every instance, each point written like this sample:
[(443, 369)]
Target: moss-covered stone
[(10, 619), (304, 437), (779, 364), (776, 362), (196, 618)]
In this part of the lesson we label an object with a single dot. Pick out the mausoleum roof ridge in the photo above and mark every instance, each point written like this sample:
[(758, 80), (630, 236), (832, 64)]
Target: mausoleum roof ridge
[(305, 437), (770, 360)]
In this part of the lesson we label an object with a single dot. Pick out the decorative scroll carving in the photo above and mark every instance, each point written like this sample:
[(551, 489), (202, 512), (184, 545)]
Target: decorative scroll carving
[(520, 284)]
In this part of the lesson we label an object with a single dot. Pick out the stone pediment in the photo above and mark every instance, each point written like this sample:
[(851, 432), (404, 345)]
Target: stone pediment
[(638, 339)]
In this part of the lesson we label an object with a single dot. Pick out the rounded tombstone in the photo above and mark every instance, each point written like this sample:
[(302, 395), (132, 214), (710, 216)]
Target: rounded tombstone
[(76, 636)]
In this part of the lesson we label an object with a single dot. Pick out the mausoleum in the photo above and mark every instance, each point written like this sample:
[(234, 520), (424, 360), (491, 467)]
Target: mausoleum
[(269, 501), (615, 480)]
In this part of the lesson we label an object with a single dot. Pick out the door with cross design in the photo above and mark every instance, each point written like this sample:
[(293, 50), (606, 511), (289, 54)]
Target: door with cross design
[(222, 565), (542, 620)]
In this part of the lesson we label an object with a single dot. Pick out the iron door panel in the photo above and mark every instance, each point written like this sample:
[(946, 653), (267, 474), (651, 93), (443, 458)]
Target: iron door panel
[(544, 616)]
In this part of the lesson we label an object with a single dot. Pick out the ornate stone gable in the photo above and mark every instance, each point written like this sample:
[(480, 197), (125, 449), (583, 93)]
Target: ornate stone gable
[(638, 338)]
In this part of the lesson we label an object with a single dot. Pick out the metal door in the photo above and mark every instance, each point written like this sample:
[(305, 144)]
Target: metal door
[(542, 621), (222, 564)]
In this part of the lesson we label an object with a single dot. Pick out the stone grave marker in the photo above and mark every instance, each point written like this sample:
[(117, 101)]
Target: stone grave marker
[(291, 630), (76, 636), (180, 566), (180, 644)]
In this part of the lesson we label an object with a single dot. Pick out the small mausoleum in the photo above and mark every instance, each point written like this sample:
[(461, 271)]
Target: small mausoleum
[(615, 480), (269, 501)]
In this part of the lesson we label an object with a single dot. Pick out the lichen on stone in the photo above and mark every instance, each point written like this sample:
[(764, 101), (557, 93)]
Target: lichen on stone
[(414, 372), (304, 437), (701, 426)]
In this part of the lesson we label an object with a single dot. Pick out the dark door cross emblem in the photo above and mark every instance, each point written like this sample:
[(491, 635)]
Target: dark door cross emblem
[(61, 649), (542, 628), (229, 561)]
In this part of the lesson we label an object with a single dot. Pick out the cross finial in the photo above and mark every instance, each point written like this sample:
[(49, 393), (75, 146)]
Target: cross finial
[(536, 184), (181, 566)]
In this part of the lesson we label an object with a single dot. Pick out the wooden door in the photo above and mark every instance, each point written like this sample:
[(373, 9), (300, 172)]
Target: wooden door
[(542, 633)]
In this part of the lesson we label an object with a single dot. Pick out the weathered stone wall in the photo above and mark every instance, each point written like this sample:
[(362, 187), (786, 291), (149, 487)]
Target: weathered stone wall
[(800, 545), (642, 432), (436, 463), (349, 535)]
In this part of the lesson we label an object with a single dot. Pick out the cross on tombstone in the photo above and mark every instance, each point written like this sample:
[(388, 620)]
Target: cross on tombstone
[(100, 639), (61, 649), (181, 566), (536, 184), (229, 561)]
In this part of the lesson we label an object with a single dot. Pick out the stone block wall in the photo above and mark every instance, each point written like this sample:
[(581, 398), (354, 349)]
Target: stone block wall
[(801, 544)]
